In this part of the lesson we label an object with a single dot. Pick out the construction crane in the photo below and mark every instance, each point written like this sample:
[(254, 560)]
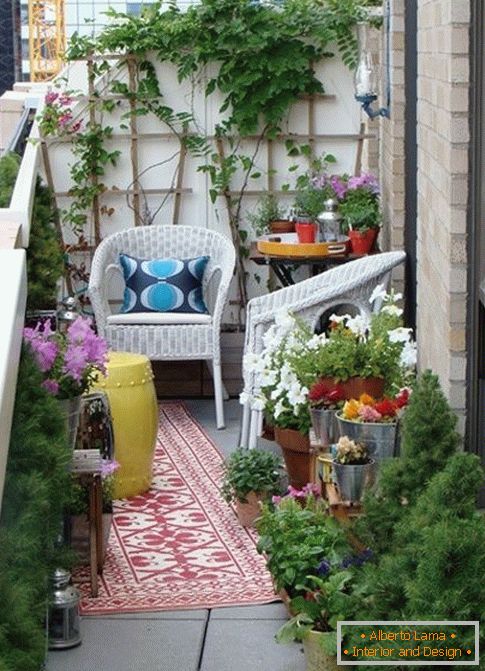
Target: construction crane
[(47, 38)]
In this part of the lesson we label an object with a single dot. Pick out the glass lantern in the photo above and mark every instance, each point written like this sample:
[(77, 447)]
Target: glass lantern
[(365, 74), (64, 630), (329, 221), (67, 314)]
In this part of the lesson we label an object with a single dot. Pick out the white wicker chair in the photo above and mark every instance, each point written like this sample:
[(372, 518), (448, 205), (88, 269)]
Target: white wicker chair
[(166, 336), (351, 283)]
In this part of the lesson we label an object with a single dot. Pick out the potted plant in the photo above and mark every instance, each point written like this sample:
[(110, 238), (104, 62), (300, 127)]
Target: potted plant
[(250, 477), (374, 423), (70, 363), (324, 400), (353, 468), (330, 595), (296, 535), (78, 508), (269, 217), (361, 214)]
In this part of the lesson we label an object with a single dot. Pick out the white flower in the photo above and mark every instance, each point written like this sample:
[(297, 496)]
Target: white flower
[(258, 403), (284, 319), (408, 356), (268, 378), (253, 363), (339, 318), (244, 398), (401, 334), (278, 409), (297, 394), (392, 310), (358, 325), (378, 293)]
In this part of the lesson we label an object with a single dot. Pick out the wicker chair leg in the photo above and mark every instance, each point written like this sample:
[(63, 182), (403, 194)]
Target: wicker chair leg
[(244, 436), (218, 396), (254, 428)]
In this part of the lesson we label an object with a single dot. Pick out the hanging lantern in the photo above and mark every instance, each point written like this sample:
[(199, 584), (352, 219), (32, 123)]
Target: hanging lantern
[(67, 314), (64, 631)]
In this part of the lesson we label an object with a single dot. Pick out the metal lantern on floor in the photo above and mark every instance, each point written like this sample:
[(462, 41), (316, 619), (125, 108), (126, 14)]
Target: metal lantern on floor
[(64, 630)]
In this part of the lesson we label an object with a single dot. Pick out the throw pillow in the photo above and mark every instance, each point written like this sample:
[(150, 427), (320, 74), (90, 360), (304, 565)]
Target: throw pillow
[(163, 285)]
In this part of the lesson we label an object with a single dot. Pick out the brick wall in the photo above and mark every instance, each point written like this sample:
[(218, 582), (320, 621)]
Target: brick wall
[(443, 76)]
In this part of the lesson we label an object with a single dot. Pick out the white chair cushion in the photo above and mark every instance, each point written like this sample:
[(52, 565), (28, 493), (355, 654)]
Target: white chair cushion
[(158, 318)]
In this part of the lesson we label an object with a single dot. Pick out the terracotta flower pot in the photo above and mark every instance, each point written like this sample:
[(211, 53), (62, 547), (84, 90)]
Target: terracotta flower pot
[(282, 226), (249, 511), (299, 459), (356, 386), (363, 242)]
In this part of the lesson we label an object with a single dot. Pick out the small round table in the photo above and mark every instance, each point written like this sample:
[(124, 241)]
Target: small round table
[(134, 409)]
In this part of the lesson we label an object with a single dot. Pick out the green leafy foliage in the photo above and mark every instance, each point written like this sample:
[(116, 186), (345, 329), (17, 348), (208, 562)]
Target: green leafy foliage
[(296, 539), (251, 471), (36, 486), (45, 257), (268, 210), (9, 167), (429, 439)]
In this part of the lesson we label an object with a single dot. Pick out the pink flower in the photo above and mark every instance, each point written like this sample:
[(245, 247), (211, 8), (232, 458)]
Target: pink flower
[(51, 386), (76, 126), (65, 119), (276, 500), (65, 100), (76, 361), (368, 414), (50, 97)]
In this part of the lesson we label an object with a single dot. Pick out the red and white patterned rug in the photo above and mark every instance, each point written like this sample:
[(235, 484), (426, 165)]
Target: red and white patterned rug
[(179, 546)]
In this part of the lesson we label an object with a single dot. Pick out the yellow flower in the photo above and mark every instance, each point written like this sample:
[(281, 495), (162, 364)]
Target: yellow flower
[(351, 409), (365, 399)]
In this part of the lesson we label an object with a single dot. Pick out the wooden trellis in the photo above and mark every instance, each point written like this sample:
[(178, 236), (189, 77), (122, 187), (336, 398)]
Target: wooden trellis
[(136, 137)]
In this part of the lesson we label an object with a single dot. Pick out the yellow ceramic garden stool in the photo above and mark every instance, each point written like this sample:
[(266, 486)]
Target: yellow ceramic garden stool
[(133, 402)]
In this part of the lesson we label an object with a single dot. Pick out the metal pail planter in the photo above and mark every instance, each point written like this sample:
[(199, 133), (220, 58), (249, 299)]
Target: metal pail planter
[(381, 440)]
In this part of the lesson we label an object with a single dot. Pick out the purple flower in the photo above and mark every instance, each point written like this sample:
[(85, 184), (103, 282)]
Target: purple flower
[(324, 568), (51, 386), (65, 100), (79, 330), (108, 467), (365, 181), (76, 361), (65, 119), (44, 350), (339, 186)]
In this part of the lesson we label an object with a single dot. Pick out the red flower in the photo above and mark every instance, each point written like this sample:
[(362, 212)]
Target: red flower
[(402, 398), (322, 393), (386, 407)]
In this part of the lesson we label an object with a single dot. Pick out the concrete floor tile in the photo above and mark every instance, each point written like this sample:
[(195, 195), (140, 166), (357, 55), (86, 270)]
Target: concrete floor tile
[(133, 645), (271, 611), (165, 615), (232, 645)]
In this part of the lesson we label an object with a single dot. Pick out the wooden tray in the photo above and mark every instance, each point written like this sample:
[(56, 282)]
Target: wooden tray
[(287, 245)]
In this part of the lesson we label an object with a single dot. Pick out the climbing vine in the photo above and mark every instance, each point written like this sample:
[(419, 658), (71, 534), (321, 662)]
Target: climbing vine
[(259, 56)]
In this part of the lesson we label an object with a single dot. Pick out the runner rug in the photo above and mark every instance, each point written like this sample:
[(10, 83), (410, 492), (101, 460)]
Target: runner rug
[(179, 546)]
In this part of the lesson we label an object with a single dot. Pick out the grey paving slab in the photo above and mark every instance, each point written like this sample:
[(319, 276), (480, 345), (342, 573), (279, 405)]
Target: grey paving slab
[(249, 646), (271, 611), (133, 645), (166, 615)]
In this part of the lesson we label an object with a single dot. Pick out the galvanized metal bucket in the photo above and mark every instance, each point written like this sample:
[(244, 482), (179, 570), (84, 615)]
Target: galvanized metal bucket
[(381, 440), (324, 426), (352, 479)]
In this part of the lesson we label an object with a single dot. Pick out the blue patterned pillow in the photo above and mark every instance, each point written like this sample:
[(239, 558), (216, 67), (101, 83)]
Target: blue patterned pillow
[(163, 285)]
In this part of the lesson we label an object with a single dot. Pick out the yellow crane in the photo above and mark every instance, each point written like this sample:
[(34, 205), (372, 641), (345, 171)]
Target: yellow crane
[(47, 38)]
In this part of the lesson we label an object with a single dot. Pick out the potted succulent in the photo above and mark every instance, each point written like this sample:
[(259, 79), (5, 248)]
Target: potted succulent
[(361, 214), (374, 422), (250, 477), (269, 217), (353, 468), (324, 400)]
